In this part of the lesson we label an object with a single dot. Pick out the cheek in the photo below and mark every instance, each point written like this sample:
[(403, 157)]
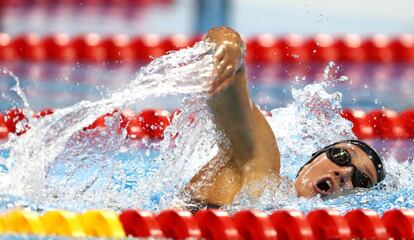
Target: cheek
[(304, 180), (303, 188)]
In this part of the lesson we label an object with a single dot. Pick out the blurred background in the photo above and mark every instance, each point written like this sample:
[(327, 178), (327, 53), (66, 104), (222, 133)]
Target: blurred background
[(79, 65), (249, 17)]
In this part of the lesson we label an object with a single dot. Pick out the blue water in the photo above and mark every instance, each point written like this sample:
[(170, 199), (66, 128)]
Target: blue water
[(368, 87)]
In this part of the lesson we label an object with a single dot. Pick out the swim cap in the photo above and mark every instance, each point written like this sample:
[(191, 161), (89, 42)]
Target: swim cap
[(372, 154)]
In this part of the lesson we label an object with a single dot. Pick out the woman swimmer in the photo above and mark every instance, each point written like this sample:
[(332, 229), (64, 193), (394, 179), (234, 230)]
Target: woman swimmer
[(252, 153)]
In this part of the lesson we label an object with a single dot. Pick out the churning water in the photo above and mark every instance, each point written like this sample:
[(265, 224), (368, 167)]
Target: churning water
[(58, 165)]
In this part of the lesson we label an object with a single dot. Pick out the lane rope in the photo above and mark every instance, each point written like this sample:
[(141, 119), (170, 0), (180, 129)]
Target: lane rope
[(151, 123), (264, 48), (214, 224)]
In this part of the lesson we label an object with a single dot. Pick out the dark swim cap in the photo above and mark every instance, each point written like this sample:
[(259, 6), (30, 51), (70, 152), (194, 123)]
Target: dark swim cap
[(372, 154)]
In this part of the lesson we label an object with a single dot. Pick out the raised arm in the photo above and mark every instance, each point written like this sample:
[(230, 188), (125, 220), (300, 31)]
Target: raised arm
[(252, 154), (230, 101)]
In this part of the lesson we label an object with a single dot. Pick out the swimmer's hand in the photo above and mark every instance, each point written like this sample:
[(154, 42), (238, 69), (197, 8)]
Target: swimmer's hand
[(228, 57)]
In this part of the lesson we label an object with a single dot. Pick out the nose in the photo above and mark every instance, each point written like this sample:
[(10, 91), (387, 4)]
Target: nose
[(343, 175)]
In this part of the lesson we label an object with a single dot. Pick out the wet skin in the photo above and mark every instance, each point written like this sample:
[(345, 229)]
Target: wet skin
[(252, 153), (323, 170)]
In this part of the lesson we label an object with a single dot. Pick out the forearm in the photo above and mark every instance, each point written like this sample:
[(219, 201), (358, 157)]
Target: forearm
[(232, 112)]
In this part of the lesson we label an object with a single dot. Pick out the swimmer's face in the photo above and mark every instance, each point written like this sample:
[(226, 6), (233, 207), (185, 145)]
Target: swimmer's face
[(324, 177)]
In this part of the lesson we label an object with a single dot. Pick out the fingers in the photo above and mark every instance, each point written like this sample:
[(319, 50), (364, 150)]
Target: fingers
[(223, 70), (219, 53), (228, 70)]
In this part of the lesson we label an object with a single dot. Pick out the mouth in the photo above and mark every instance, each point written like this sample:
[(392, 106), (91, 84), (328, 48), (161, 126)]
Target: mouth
[(324, 186)]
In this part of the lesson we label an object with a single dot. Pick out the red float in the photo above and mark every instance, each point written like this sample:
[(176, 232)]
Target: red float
[(134, 129), (366, 224), (60, 48), (293, 49), (178, 224), (328, 224), (264, 48), (254, 225), (140, 223), (90, 48), (321, 48), (216, 225), (362, 127), (12, 117), (29, 47), (387, 124), (407, 119), (44, 112), (399, 223), (147, 47), (7, 52), (350, 49), (403, 48), (291, 224), (378, 49), (153, 122), (176, 42), (118, 48)]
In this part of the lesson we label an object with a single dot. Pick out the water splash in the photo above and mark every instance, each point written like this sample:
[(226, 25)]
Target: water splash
[(57, 165), (16, 88)]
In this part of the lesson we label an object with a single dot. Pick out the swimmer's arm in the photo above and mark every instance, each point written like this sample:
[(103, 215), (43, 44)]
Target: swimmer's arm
[(249, 134), (229, 98), (253, 152)]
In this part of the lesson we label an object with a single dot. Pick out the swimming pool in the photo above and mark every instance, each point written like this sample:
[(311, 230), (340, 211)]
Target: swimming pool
[(271, 88)]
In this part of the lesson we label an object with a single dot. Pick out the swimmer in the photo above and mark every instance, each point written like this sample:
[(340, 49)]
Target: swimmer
[(252, 154)]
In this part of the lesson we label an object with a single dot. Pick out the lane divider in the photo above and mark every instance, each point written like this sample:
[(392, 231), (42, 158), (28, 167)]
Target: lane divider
[(216, 224), (84, 3), (252, 224), (62, 223), (151, 123), (328, 224), (263, 48), (291, 224), (366, 224), (140, 224), (24, 222), (178, 224), (319, 224), (100, 223)]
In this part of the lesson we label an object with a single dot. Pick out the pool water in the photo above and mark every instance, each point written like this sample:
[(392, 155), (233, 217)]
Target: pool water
[(369, 86), (106, 171)]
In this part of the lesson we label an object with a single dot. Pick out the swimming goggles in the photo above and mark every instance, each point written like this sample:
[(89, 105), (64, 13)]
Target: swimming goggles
[(342, 158)]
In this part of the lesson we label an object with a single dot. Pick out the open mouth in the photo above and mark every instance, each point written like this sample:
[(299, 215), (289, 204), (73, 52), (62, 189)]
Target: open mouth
[(324, 186)]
